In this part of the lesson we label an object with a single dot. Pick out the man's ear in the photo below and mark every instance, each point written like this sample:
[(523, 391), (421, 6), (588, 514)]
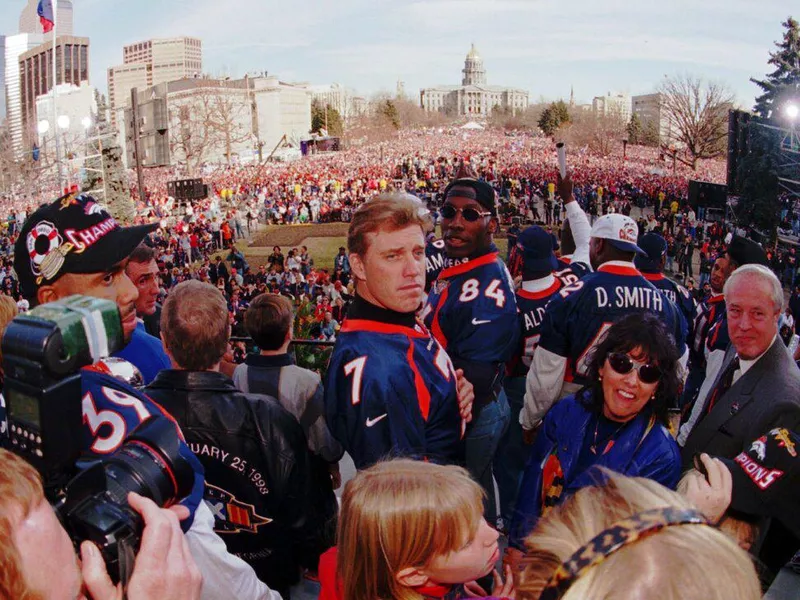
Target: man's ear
[(493, 225), (411, 577), (357, 267), (46, 293)]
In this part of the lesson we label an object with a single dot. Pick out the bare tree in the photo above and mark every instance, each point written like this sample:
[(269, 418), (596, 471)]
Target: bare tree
[(227, 120), (598, 132), (697, 114)]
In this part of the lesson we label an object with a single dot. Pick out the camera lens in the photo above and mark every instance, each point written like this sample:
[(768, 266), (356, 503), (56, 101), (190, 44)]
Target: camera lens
[(149, 463)]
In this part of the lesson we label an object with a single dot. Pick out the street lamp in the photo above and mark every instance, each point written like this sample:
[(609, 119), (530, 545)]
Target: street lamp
[(63, 122), (86, 122), (792, 111), (43, 126), (624, 147)]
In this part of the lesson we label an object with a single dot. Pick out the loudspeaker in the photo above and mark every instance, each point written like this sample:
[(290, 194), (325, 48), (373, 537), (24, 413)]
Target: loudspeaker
[(187, 189), (738, 145), (707, 194)]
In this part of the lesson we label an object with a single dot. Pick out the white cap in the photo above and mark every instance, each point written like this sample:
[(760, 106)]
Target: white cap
[(23, 305), (620, 230)]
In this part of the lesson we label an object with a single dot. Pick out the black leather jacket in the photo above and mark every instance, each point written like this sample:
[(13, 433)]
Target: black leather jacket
[(272, 504)]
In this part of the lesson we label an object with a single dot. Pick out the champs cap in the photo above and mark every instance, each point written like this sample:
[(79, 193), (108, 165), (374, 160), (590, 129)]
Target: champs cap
[(655, 248), (536, 247), (474, 189), (766, 478), (619, 230), (747, 252), (74, 234)]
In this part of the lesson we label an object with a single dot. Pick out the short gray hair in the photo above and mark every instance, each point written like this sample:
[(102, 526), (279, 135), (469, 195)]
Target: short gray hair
[(760, 272)]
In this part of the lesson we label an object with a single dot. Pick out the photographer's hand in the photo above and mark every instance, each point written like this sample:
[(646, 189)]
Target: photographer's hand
[(164, 566)]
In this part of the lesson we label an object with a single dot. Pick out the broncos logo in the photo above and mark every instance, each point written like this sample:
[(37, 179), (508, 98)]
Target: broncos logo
[(760, 447)]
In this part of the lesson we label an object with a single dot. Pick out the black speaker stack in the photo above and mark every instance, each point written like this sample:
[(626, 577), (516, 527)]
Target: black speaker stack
[(707, 194), (738, 145), (187, 189)]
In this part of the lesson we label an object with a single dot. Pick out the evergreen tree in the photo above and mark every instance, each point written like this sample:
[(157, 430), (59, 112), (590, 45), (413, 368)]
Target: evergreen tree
[(388, 109), (760, 168), (783, 84), (553, 117), (332, 121), (635, 130), (106, 178)]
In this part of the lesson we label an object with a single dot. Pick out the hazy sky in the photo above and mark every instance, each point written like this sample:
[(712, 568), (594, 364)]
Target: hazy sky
[(543, 46)]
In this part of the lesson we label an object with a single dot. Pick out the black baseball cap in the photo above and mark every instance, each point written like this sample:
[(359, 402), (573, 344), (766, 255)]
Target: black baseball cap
[(747, 252), (474, 189), (766, 478), (655, 247), (74, 234)]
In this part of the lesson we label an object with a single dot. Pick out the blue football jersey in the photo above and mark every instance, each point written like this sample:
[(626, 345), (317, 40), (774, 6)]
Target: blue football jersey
[(434, 261), (709, 314), (578, 269), (531, 307), (678, 295), (472, 310), (391, 391), (579, 314)]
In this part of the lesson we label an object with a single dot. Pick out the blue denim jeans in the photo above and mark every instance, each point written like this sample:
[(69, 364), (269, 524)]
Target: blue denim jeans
[(512, 453), (483, 436)]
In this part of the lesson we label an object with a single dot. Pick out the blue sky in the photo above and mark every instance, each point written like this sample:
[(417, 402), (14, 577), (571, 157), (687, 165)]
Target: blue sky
[(543, 46)]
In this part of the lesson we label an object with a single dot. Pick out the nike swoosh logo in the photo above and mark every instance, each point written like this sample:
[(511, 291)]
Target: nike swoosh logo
[(481, 322), (371, 422)]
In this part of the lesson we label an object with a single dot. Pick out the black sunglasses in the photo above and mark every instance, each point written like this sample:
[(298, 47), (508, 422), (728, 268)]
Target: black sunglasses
[(622, 364), (470, 214)]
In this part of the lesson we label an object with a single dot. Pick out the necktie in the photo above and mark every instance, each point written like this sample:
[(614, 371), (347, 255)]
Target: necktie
[(723, 385)]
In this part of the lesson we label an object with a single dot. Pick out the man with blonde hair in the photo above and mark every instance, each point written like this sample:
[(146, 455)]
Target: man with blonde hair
[(391, 387)]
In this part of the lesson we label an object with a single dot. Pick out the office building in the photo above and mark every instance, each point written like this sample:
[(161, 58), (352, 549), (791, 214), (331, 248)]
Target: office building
[(29, 19), (151, 63), (16, 46), (36, 74), (211, 120), (618, 105)]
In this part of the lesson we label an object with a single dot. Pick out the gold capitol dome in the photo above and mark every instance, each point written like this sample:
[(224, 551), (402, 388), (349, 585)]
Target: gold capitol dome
[(473, 53)]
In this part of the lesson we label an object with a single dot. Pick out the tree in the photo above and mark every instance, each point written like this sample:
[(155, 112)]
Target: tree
[(105, 173), (388, 110), (326, 117), (599, 132), (553, 117), (761, 167), (783, 84), (635, 130), (697, 113)]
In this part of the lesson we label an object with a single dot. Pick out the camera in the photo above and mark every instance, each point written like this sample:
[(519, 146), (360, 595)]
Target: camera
[(52, 422)]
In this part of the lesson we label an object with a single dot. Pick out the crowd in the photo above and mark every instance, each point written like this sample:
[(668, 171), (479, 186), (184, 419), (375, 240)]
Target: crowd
[(569, 397)]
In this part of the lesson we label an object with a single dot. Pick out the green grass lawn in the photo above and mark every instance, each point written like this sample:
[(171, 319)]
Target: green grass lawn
[(322, 247)]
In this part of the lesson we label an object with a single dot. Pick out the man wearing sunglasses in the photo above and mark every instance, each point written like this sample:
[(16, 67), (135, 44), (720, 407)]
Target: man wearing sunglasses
[(578, 317), (472, 312)]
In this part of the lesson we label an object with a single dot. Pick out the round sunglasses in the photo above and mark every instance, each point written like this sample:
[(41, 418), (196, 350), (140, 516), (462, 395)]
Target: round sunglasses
[(469, 214), (623, 364)]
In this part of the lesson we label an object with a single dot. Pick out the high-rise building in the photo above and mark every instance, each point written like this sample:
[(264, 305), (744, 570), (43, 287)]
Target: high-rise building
[(618, 105), (2, 78), (150, 63), (29, 19), (16, 46), (36, 74), (473, 97), (648, 109)]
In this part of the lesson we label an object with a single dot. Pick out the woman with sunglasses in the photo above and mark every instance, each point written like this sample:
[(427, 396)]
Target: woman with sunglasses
[(619, 421)]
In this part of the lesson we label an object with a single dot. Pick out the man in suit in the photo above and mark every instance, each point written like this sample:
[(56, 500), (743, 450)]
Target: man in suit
[(758, 386)]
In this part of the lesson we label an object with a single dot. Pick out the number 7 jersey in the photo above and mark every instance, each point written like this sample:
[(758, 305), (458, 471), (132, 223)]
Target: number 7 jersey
[(472, 310), (391, 391)]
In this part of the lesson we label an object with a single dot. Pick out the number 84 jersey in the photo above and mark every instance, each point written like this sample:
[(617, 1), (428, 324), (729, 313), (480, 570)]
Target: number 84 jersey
[(472, 310)]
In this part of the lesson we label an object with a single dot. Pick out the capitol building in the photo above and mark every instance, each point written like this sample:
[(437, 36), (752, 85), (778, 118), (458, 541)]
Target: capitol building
[(473, 98)]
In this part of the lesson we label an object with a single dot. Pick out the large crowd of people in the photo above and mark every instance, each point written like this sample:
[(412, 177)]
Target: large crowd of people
[(620, 389)]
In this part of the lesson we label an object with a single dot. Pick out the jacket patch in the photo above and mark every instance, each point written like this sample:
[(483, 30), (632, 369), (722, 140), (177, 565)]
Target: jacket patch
[(231, 515)]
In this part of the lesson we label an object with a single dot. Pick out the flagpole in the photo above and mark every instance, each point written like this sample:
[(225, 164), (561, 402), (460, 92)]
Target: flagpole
[(55, 109)]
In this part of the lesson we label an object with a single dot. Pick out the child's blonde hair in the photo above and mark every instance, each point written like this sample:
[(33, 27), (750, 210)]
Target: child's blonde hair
[(402, 513)]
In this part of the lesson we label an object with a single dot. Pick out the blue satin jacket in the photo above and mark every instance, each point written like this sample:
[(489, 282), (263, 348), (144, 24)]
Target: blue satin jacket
[(644, 448)]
